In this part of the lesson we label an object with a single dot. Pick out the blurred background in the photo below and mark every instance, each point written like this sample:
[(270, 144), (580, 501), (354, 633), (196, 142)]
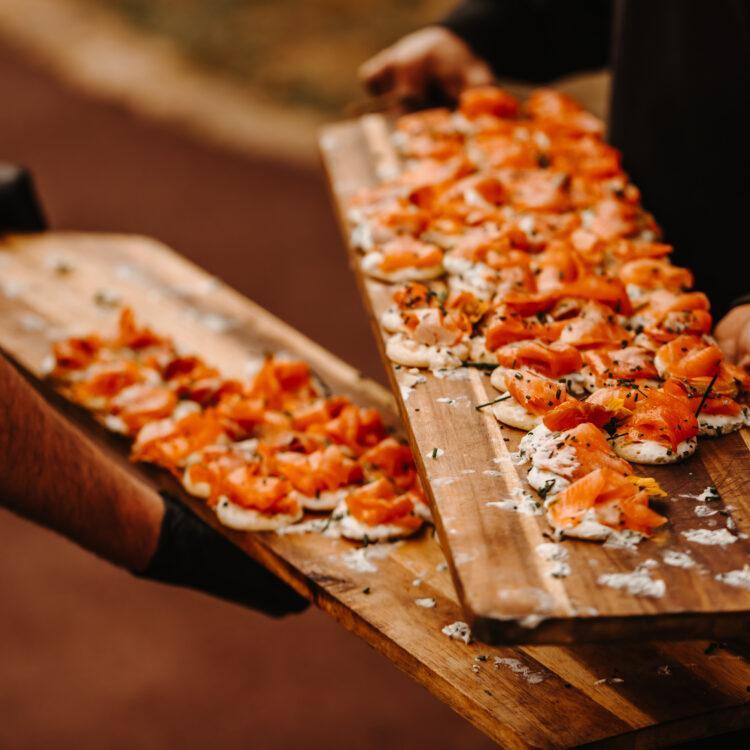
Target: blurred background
[(194, 121)]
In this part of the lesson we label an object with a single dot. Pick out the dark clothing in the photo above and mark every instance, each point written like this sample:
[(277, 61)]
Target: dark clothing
[(680, 109)]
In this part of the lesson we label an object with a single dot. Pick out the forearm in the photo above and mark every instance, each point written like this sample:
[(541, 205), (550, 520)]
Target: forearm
[(52, 474), (535, 40)]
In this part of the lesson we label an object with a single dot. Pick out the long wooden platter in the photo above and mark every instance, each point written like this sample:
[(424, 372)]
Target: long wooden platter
[(537, 696), (508, 590)]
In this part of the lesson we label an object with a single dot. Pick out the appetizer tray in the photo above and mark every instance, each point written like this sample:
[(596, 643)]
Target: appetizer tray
[(57, 284), (678, 584)]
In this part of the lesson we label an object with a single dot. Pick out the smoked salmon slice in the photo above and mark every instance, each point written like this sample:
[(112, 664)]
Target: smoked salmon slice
[(549, 359)]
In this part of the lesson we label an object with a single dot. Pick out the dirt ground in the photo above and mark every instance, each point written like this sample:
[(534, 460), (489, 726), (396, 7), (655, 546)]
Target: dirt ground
[(91, 657)]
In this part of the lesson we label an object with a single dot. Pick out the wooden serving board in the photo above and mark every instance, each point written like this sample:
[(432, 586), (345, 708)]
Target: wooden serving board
[(505, 586), (652, 695)]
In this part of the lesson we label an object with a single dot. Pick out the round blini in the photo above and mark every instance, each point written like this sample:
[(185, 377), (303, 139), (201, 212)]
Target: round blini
[(404, 351), (247, 519), (371, 266), (352, 528), (650, 452), (392, 321), (513, 414), (325, 501), (716, 425)]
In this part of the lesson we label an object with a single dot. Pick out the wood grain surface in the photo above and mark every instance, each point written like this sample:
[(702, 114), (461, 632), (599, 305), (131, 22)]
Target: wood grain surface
[(649, 695), (505, 586)]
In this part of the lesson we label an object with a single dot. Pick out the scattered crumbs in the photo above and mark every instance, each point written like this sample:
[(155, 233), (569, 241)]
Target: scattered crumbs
[(59, 265), (609, 681), (441, 567), (458, 631), (475, 668), (408, 381), (731, 525), (464, 557), (361, 559), (709, 494), (664, 671), (455, 401), (517, 667), (523, 503), (126, 272), (12, 289), (678, 559), (493, 473), (416, 582), (480, 657), (702, 511), (468, 471), (427, 602), (442, 481), (719, 537), (206, 285), (107, 298), (217, 323), (449, 374), (518, 458), (31, 322), (636, 583), (740, 579), (556, 554), (436, 453), (627, 540), (366, 590), (498, 460)]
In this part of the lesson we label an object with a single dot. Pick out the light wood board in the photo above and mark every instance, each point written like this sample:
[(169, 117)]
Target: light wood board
[(504, 585), (540, 696)]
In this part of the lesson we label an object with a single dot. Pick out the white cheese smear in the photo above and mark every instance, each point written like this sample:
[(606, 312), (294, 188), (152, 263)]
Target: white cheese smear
[(636, 583)]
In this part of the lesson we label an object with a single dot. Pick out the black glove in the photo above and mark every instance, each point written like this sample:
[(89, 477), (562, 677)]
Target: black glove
[(190, 553)]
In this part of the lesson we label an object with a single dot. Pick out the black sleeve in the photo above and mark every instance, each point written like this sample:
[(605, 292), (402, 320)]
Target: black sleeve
[(192, 554), (536, 40)]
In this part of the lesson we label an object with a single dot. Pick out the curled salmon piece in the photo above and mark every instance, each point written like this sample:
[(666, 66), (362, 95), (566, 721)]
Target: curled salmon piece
[(506, 326), (624, 250), (246, 489), (559, 113), (529, 396), (377, 504), (552, 360), (170, 442), (571, 414), (497, 149), (586, 155), (392, 459), (660, 426), (404, 259), (354, 427), (137, 405), (282, 383), (321, 478), (595, 326), (559, 458), (698, 364), (73, 355), (203, 476), (612, 219), (536, 189), (621, 366), (487, 100), (600, 502), (652, 273), (104, 380)]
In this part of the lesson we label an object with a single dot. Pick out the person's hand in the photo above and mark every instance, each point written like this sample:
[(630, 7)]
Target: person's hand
[(427, 62), (733, 335)]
